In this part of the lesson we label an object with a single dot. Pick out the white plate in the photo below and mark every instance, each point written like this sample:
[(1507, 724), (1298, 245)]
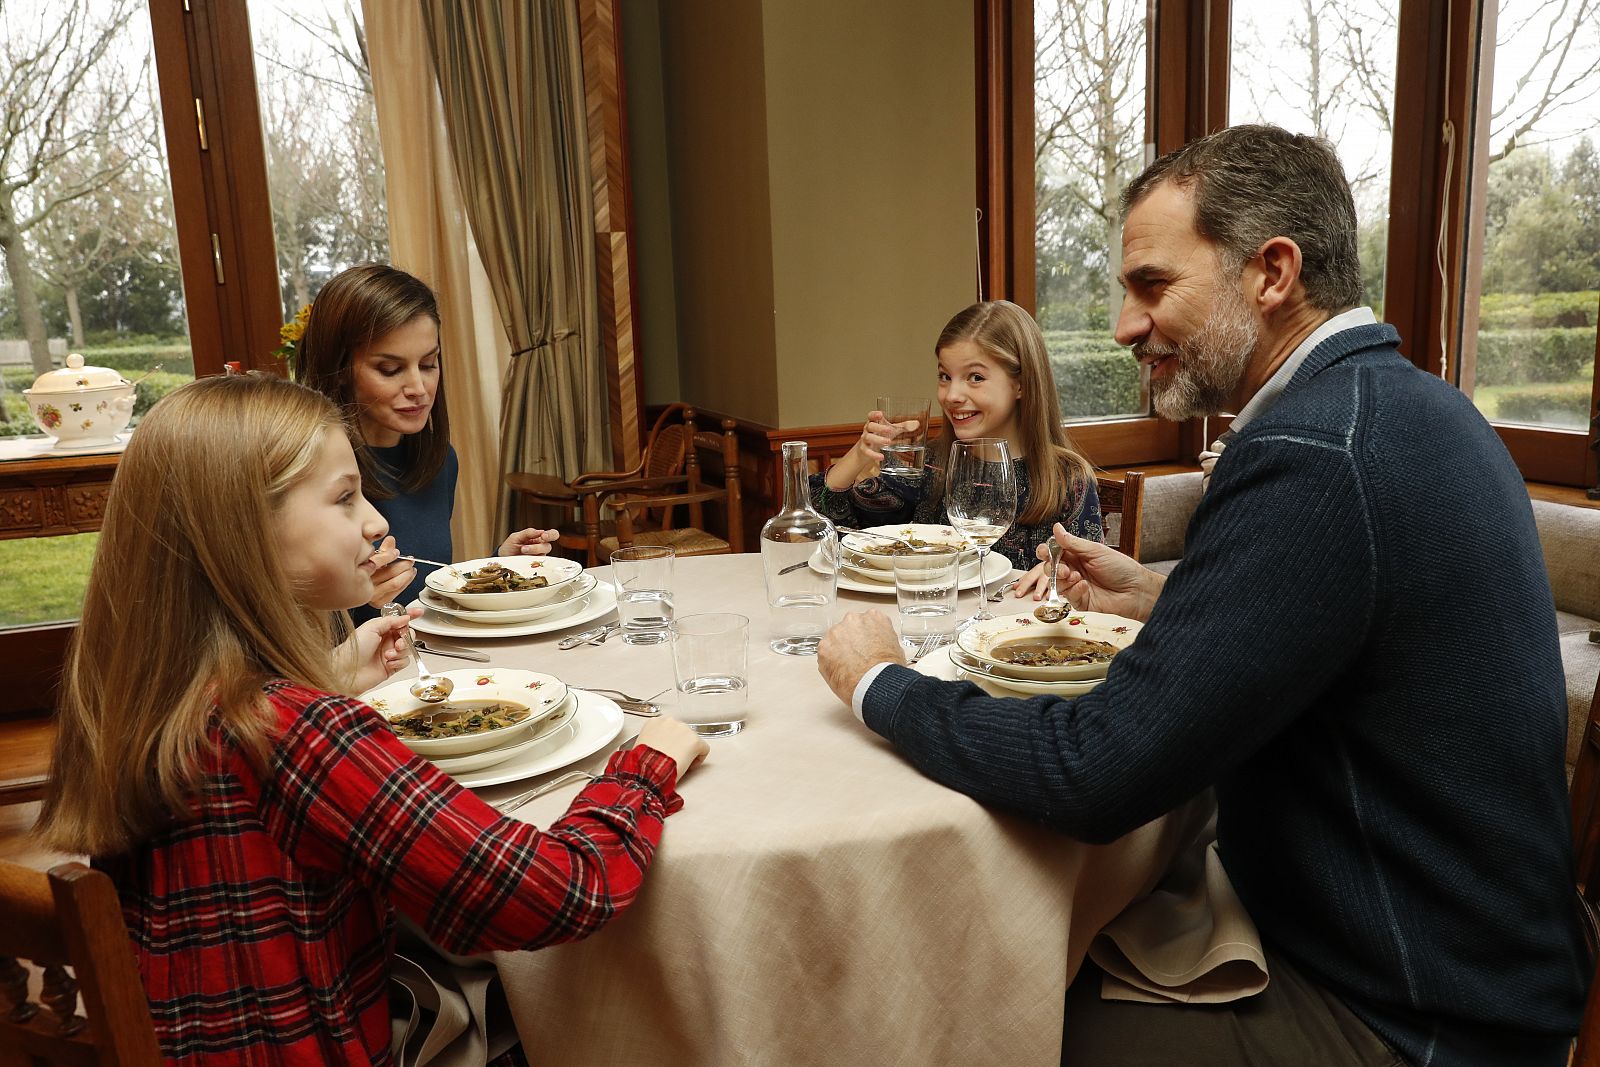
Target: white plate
[(978, 639), (556, 570), (994, 565), (542, 693), (599, 722), (567, 599), (922, 531), (868, 575), (547, 737), (937, 664), (601, 602)]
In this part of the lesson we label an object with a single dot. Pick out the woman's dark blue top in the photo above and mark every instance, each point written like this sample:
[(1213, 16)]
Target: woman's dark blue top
[(419, 521)]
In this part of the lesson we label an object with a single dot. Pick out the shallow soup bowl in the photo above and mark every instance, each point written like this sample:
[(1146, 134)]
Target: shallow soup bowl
[(540, 694), (556, 572), (993, 642), (877, 554)]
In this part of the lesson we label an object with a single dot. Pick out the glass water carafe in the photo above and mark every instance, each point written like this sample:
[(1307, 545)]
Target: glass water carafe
[(799, 554)]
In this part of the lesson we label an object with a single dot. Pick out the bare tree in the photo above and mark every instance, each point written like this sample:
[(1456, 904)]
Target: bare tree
[(64, 93), (1564, 70), (323, 152), (121, 219), (1089, 75)]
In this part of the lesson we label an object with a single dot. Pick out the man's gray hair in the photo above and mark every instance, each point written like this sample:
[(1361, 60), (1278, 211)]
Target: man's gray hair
[(1253, 183)]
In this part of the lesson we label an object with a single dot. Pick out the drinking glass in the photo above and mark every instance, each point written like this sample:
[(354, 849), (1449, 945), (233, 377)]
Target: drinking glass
[(904, 455), (925, 584), (710, 657), (980, 498), (643, 577)]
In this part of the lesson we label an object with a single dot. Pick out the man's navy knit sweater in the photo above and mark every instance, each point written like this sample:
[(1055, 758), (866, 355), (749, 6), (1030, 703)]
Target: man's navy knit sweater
[(1358, 651)]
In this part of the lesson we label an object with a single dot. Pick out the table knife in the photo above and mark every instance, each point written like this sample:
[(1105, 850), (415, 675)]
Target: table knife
[(586, 636)]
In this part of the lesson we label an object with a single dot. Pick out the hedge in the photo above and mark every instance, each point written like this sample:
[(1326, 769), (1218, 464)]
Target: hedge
[(1547, 405), (1094, 375), (1510, 311), (1521, 357)]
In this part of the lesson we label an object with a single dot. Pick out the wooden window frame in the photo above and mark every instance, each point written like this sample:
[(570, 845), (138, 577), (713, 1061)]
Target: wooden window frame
[(1446, 72), (206, 73), (1187, 97)]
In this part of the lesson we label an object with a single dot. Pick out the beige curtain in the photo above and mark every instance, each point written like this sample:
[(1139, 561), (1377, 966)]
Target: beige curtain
[(428, 236), (511, 77)]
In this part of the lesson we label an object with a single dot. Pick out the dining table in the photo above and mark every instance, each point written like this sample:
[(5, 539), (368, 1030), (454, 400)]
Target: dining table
[(817, 900)]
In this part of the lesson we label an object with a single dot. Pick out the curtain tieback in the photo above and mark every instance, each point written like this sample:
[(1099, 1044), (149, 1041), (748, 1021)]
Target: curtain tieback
[(559, 335)]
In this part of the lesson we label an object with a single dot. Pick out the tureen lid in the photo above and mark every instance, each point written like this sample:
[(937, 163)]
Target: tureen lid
[(75, 376)]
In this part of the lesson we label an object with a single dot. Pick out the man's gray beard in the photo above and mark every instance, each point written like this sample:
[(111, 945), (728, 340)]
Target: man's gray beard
[(1210, 363)]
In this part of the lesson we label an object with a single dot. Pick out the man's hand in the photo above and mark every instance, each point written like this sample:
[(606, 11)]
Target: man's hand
[(1097, 577), (857, 643)]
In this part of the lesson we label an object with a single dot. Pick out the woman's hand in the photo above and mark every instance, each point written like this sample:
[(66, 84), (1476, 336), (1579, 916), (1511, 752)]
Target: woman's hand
[(672, 738), (376, 650), (529, 542), (1097, 577), (393, 574), (866, 455)]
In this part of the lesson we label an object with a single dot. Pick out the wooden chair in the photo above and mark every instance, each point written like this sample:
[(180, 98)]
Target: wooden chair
[(667, 453), (1585, 795), (1122, 497), (659, 508), (69, 918)]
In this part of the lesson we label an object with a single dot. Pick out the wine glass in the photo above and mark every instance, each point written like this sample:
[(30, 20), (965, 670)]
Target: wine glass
[(980, 497)]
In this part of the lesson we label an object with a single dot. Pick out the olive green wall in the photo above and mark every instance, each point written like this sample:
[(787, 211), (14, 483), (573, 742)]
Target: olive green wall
[(871, 151), (818, 159)]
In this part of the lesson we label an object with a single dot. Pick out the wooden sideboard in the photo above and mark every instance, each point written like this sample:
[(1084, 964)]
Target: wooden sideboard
[(52, 495)]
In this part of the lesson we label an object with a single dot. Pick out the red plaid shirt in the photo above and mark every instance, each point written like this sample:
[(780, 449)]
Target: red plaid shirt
[(264, 925)]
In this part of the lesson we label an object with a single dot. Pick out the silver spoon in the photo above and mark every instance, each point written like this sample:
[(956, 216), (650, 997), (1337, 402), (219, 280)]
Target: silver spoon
[(1054, 607), (429, 688)]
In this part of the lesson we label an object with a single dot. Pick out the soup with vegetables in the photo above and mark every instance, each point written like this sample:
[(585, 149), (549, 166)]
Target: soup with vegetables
[(493, 578), (458, 718), (912, 545), (1053, 651)]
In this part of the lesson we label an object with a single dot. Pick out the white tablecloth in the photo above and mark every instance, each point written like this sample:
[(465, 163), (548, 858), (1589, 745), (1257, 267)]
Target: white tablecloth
[(818, 901)]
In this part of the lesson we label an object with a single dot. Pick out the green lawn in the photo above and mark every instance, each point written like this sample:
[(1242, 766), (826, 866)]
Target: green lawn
[(42, 578)]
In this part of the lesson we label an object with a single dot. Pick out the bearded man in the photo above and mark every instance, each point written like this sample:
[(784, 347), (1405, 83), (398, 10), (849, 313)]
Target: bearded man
[(1331, 656)]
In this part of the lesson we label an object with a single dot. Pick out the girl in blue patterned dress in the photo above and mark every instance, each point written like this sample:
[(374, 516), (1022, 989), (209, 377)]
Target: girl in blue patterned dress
[(994, 381)]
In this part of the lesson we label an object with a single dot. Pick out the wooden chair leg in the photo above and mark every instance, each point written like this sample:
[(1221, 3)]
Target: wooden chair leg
[(591, 528)]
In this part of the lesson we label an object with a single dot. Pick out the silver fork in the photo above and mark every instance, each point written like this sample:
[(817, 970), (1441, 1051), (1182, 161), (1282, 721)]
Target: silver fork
[(1000, 594)]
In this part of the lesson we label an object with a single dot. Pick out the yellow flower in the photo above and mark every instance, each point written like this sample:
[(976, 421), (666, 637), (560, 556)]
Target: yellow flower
[(291, 332)]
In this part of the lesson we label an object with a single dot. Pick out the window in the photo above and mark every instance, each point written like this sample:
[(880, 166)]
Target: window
[(92, 256), (1536, 243), (1090, 88), (324, 165), (1484, 251), (1326, 67)]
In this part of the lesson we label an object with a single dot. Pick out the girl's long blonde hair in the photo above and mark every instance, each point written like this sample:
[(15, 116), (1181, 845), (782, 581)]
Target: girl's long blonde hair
[(1008, 335), (188, 609)]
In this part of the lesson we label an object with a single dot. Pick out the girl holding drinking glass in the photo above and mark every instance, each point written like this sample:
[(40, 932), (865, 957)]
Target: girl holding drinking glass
[(994, 382)]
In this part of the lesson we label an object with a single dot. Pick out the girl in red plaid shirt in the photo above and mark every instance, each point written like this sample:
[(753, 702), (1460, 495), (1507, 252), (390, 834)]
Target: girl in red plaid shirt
[(263, 828)]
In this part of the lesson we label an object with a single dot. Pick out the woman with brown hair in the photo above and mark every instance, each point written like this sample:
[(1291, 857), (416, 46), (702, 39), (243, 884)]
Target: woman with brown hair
[(994, 381), (372, 346)]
